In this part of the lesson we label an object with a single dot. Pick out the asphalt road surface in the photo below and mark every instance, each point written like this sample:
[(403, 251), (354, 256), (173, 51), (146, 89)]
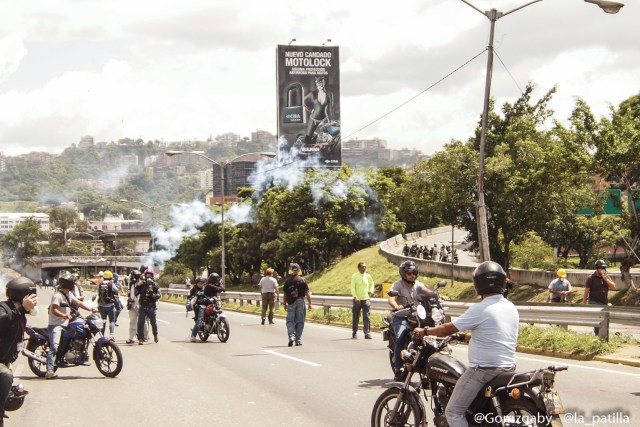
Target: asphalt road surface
[(256, 379)]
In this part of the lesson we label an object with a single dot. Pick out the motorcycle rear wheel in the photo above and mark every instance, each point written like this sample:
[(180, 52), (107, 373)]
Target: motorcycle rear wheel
[(523, 410), (39, 368), (409, 412), (223, 330), (203, 333), (109, 360)]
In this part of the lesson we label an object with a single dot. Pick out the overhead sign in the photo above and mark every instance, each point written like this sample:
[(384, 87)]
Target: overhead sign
[(308, 83), (612, 204)]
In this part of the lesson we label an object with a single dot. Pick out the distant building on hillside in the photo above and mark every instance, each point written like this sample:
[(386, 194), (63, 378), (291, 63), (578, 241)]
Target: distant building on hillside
[(229, 139), (86, 142), (8, 220), (265, 139)]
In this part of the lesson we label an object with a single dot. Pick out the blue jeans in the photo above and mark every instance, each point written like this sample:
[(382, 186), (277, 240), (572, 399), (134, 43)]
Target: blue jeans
[(110, 312), (199, 321), (6, 379), (401, 329), (143, 313), (55, 333), (465, 391), (596, 330), (296, 315)]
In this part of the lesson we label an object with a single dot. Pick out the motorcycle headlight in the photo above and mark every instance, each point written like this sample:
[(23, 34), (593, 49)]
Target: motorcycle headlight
[(99, 323)]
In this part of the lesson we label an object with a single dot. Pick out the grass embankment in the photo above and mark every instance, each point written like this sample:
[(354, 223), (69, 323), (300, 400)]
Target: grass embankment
[(337, 279)]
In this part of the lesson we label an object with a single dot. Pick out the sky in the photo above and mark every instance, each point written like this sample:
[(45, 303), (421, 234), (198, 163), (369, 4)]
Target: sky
[(188, 70)]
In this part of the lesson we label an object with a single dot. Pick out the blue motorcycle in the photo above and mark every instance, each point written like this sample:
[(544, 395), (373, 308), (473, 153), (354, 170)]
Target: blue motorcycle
[(73, 349)]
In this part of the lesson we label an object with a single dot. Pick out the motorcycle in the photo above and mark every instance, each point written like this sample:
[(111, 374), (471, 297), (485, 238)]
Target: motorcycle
[(73, 349), (428, 313), (511, 399), (215, 321)]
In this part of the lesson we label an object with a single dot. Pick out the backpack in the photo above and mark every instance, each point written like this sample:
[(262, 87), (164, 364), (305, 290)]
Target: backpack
[(105, 293)]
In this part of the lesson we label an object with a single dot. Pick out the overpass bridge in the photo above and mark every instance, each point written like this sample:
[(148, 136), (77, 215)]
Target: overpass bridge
[(49, 267)]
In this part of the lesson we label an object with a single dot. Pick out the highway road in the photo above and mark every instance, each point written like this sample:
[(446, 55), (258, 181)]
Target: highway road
[(256, 379)]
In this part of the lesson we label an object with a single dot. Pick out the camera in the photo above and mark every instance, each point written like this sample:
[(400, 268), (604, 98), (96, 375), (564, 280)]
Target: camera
[(32, 290)]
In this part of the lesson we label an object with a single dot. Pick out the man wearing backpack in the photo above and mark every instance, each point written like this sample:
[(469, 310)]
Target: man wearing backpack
[(295, 291), (149, 293), (107, 294)]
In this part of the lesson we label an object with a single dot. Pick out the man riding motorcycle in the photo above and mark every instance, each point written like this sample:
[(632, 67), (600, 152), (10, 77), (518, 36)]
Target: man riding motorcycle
[(203, 294), (408, 288), (494, 327)]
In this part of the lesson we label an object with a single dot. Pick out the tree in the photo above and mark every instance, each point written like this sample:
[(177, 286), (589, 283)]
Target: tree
[(63, 218), (22, 240), (617, 144)]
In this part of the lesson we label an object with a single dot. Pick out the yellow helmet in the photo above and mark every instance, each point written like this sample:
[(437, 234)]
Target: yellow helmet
[(108, 274), (560, 272)]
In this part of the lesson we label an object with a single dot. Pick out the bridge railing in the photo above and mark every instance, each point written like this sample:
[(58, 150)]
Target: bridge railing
[(549, 314)]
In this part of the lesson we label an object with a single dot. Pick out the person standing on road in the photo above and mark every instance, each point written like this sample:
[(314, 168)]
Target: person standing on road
[(596, 289), (149, 293), (493, 323), (196, 295), (560, 288), (295, 291), (21, 299), (362, 288), (133, 305), (269, 289), (107, 294)]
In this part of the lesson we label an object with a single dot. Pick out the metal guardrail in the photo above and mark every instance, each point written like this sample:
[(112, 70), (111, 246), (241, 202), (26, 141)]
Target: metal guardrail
[(550, 314)]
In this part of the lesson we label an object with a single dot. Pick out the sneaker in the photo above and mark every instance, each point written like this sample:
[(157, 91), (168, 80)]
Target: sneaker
[(298, 342), (271, 322), (192, 339), (354, 336), (263, 321), (50, 375), (129, 341), (116, 324), (290, 342), (112, 338), (155, 337), (367, 337), (399, 374), (140, 342)]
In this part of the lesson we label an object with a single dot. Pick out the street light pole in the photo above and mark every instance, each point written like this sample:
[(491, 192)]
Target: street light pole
[(222, 193), (493, 15)]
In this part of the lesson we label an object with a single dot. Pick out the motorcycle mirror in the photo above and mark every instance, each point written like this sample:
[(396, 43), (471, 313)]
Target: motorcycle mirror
[(442, 284), (393, 293), (422, 312)]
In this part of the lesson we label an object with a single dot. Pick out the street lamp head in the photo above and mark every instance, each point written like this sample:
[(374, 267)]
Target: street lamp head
[(173, 152), (607, 5)]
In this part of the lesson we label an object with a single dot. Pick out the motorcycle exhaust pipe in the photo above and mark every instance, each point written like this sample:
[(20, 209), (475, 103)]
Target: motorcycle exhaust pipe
[(32, 355)]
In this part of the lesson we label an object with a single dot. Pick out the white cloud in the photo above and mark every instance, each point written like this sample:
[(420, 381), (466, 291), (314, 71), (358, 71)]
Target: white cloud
[(173, 71)]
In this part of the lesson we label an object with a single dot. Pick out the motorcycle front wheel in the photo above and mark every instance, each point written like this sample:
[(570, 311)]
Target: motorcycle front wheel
[(223, 330), (109, 360), (409, 411), (524, 412), (39, 368)]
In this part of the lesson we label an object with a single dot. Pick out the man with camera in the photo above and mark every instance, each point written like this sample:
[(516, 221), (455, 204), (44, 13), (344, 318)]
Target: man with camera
[(596, 289), (21, 299), (149, 293)]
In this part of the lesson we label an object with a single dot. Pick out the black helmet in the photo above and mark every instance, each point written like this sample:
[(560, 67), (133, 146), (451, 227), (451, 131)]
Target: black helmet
[(200, 280), (16, 398), (135, 274), (214, 278), (601, 264), (18, 288), (67, 281), (489, 278), (143, 268), (408, 267)]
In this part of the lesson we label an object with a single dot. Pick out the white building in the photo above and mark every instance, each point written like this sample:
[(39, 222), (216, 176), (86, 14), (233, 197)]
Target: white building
[(8, 220)]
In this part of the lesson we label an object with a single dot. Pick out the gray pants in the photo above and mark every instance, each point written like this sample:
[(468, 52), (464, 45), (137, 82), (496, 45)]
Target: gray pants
[(268, 300), (365, 307), (133, 325), (466, 390)]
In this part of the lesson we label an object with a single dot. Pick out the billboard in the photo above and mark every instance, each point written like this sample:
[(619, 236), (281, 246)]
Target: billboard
[(308, 83)]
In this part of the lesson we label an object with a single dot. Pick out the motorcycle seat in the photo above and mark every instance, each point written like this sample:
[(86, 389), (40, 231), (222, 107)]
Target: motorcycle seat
[(41, 331), (512, 378)]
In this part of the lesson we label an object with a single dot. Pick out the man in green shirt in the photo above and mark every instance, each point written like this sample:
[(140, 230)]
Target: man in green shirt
[(361, 290)]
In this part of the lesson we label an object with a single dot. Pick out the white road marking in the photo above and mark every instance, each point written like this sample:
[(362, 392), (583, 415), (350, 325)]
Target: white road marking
[(295, 359), (162, 321)]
